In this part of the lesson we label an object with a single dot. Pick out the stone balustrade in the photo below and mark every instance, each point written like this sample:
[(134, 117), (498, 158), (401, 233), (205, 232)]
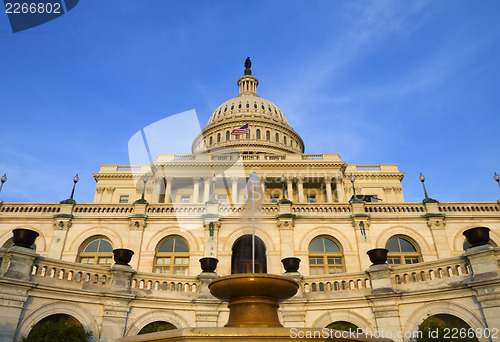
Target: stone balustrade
[(90, 209), (57, 273), (337, 282), (430, 271), (165, 282)]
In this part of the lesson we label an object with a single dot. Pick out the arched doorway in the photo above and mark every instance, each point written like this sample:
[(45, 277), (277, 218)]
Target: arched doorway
[(241, 258), (58, 328), (444, 327)]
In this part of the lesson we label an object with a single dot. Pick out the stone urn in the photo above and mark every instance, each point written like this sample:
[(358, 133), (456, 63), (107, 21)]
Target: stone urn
[(208, 264), (477, 236), (122, 256), (378, 256), (24, 237), (291, 264)]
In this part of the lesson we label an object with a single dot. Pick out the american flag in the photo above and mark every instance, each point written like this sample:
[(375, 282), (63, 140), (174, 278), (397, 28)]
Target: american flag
[(240, 131)]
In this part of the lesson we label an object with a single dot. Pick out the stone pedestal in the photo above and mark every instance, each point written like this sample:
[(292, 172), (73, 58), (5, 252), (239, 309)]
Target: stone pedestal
[(380, 278), (121, 278), (19, 262)]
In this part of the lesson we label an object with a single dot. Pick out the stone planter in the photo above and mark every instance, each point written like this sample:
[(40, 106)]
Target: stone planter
[(208, 264), (122, 256), (477, 236), (291, 264), (378, 256), (24, 237)]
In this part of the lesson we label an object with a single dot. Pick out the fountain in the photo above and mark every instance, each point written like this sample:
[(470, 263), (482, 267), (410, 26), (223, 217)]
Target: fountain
[(253, 296)]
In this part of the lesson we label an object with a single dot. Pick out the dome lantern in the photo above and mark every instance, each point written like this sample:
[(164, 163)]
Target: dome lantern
[(248, 83)]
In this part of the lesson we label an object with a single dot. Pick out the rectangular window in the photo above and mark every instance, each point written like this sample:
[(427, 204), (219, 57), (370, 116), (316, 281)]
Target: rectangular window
[(274, 199), (123, 199), (221, 198), (185, 198), (311, 198)]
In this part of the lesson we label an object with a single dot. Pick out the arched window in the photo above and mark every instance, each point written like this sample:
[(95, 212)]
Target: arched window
[(268, 135), (211, 141), (97, 251), (277, 137), (284, 140), (257, 134), (402, 250), (218, 137), (325, 256), (172, 256), (228, 135)]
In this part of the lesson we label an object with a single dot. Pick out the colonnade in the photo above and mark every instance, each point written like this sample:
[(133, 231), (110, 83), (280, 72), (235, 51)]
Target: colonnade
[(200, 189)]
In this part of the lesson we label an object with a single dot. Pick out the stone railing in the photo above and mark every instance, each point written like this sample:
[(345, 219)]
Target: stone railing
[(430, 271), (184, 208), (87, 208), (30, 208), (65, 274), (165, 282), (469, 207), (395, 208), (336, 282), (320, 208)]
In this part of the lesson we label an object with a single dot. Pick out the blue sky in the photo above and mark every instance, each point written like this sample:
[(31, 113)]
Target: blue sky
[(413, 83)]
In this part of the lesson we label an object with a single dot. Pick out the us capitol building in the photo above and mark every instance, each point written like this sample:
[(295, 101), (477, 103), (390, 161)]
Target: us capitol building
[(315, 207)]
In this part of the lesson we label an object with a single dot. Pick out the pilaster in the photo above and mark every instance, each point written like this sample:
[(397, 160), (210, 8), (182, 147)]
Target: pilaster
[(62, 223), (286, 224)]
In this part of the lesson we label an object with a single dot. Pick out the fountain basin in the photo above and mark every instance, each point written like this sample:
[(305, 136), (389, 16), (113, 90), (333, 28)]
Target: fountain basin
[(253, 297)]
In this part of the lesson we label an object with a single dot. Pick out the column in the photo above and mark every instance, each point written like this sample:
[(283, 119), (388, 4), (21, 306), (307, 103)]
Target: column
[(289, 188), (300, 189), (196, 189), (168, 192), (263, 189), (234, 189), (206, 190), (328, 187), (339, 189)]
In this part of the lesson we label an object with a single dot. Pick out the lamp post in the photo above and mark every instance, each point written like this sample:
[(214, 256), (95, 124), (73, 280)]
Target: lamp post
[(352, 178), (75, 180), (144, 180), (214, 179), (142, 200), (422, 179), (427, 199), (4, 179), (283, 179), (495, 177)]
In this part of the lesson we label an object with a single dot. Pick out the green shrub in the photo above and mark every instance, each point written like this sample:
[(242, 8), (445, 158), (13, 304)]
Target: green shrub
[(58, 329)]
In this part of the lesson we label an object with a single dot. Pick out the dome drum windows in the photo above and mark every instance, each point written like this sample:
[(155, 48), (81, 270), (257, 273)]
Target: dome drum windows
[(98, 251), (325, 256), (257, 134), (172, 257), (402, 250)]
